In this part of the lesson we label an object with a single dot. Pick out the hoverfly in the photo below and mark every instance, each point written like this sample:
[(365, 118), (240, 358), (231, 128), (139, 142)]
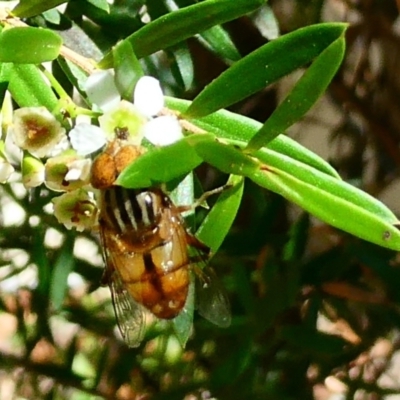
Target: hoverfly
[(148, 266)]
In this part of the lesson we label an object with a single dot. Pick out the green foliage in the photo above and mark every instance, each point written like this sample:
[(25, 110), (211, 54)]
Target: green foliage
[(280, 289)]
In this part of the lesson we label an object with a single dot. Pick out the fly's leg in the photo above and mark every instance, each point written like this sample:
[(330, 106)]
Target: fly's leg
[(192, 241), (201, 201)]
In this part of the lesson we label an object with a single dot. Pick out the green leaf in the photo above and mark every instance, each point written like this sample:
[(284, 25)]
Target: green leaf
[(44, 45), (216, 39), (331, 200), (52, 16), (226, 158), (179, 25), (163, 164), (264, 66), (182, 68), (302, 97), (219, 41), (315, 178), (219, 220), (227, 125), (264, 19), (30, 8), (182, 324), (127, 69), (42, 263), (59, 277), (100, 4), (27, 86), (75, 75)]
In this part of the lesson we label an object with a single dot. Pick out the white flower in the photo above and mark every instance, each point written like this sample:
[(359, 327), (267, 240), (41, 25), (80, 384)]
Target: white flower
[(130, 122), (75, 209), (67, 172), (37, 130), (125, 121)]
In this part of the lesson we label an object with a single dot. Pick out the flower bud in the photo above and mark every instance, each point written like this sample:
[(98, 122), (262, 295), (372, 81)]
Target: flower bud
[(32, 171), (6, 169)]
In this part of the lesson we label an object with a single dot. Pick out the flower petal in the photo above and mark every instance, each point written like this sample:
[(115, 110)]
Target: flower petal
[(78, 170), (101, 90), (148, 96), (86, 138), (6, 169), (163, 130)]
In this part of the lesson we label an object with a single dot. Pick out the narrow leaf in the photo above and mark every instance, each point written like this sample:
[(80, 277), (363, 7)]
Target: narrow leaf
[(218, 41), (27, 86), (337, 203), (100, 4), (219, 220), (302, 97), (179, 25), (336, 187), (59, 277), (30, 8), (182, 68), (163, 164), (44, 45), (182, 324), (43, 267), (127, 69), (264, 66), (227, 125), (226, 158)]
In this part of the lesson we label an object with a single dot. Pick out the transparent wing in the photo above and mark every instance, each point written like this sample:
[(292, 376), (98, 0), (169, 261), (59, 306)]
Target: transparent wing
[(130, 314), (211, 299)]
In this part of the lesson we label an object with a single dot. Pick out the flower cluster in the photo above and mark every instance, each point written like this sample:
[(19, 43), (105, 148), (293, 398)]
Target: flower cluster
[(63, 161)]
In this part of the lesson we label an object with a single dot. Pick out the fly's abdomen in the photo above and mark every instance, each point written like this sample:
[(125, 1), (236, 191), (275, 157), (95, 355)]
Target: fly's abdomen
[(149, 248)]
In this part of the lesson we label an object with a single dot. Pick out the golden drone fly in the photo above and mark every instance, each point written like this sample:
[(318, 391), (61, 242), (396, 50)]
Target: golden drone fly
[(146, 251)]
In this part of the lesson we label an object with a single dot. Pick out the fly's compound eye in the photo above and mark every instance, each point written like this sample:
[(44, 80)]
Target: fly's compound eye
[(125, 156), (103, 172)]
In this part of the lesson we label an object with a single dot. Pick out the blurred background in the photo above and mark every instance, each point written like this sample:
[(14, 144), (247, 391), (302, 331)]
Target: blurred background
[(316, 312)]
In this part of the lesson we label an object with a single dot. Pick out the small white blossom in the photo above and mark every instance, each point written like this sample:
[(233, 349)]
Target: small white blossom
[(148, 96), (86, 138), (125, 120), (37, 130), (75, 209), (67, 172), (163, 131), (128, 121)]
